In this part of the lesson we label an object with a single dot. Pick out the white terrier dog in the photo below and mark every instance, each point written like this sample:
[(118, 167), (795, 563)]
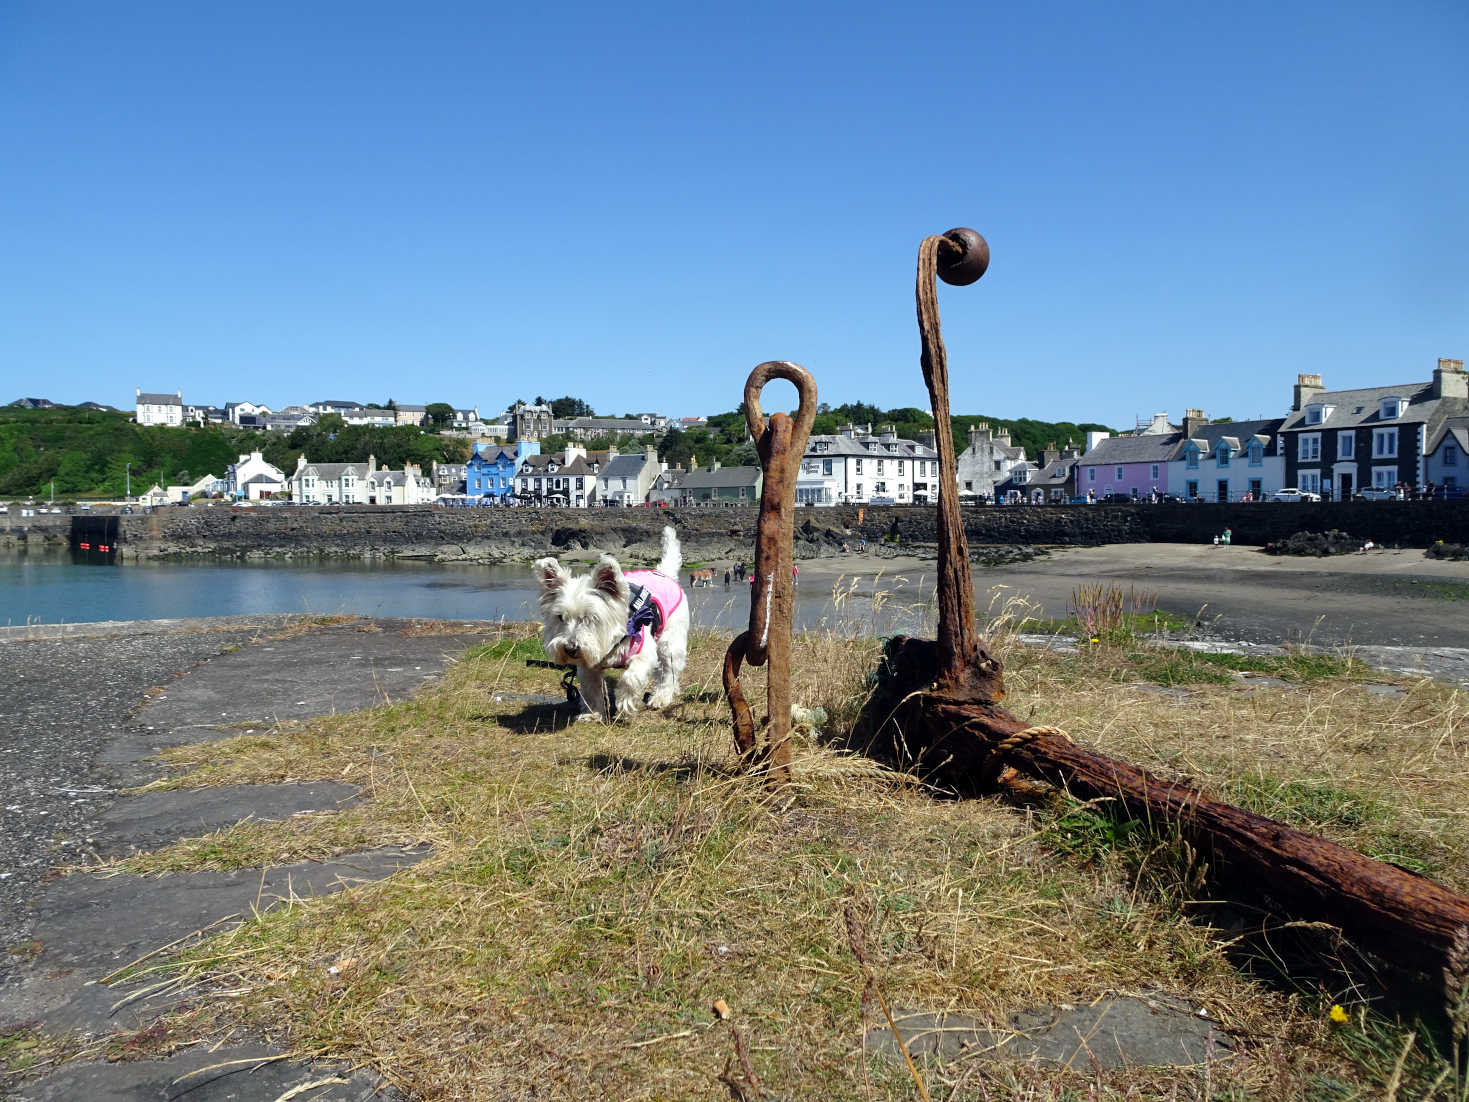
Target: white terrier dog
[(636, 622)]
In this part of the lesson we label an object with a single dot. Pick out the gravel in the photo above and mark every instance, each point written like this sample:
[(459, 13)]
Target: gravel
[(63, 699)]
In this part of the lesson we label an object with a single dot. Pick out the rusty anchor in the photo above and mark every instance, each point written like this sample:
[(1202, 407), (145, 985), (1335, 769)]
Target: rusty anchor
[(780, 442)]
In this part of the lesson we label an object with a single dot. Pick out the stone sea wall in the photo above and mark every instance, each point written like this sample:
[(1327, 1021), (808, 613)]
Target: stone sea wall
[(511, 535)]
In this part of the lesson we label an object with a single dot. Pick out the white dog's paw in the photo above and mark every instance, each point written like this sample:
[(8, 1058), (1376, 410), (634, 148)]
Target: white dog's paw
[(627, 708), (588, 717), (662, 698)]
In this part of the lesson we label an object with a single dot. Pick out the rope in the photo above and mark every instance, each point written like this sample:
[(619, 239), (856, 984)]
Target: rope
[(1029, 734)]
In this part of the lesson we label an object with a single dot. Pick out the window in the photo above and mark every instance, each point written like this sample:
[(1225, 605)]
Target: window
[(1389, 408), (1117, 476), (859, 470), (1191, 488), (1313, 414), (1384, 478), (1256, 489), (879, 466), (997, 464), (1153, 472), (1191, 457), (1309, 447), (879, 487), (1222, 455), (968, 486), (1384, 443), (1257, 454), (1450, 454), (826, 466), (1091, 474), (900, 466), (859, 489), (1309, 481), (1346, 445)]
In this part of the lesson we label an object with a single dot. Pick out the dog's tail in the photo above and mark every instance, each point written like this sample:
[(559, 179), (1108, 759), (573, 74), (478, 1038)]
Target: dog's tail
[(672, 558)]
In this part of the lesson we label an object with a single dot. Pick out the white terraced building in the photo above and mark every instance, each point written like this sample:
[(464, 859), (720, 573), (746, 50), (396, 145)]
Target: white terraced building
[(857, 467), (159, 409)]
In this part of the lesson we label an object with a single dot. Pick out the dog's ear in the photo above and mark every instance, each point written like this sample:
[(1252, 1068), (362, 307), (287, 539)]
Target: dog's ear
[(551, 574), (608, 579)]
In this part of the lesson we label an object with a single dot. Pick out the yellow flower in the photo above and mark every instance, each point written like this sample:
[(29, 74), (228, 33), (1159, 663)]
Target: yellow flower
[(1094, 639), (1339, 1015)]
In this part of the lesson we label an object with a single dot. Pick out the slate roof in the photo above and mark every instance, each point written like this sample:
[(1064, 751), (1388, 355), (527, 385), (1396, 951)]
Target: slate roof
[(1361, 408), (146, 399), (722, 479), (1240, 433), (1153, 448), (331, 472), (624, 466), (828, 445), (1458, 427)]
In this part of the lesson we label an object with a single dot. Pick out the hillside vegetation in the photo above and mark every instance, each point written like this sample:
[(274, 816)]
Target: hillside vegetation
[(87, 452)]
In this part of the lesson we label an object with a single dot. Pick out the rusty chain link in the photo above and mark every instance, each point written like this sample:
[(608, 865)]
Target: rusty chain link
[(781, 443)]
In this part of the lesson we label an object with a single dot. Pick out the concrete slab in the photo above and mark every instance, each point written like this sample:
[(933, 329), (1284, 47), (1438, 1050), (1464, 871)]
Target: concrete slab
[(89, 926), (155, 819), (1112, 1032), (323, 672), (234, 1073)]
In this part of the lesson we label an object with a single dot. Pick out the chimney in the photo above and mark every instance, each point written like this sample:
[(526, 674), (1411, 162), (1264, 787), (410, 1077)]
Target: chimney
[(1308, 389), (1002, 437), (929, 438), (1094, 436), (1052, 453), (1449, 380), (1193, 421), (716, 466), (979, 432), (650, 452)]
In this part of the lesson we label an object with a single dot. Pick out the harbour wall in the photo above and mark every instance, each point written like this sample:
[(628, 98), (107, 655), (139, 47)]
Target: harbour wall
[(509, 535)]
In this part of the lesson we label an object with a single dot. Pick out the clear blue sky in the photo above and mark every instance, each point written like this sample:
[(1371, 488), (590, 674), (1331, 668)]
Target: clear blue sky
[(1187, 203)]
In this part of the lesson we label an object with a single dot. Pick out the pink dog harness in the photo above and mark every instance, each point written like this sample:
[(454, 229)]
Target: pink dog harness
[(652, 599)]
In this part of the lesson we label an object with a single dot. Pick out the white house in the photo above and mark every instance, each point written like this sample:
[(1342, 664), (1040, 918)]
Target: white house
[(252, 478), (626, 479), (405, 487), (331, 483), (987, 461), (1230, 461), (246, 413), (854, 466), (160, 409)]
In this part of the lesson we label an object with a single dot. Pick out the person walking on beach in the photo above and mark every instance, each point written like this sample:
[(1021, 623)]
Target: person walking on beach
[(726, 577)]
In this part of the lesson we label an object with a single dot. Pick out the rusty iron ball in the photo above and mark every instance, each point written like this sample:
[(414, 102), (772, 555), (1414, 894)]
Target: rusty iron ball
[(966, 259)]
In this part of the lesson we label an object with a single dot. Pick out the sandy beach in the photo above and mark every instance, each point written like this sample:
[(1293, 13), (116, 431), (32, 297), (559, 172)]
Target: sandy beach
[(1381, 597)]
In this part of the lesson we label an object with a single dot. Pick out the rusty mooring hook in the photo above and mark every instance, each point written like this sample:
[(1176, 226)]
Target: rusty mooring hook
[(781, 442)]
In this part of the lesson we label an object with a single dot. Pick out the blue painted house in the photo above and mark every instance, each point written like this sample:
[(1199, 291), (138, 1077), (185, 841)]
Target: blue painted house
[(490, 471)]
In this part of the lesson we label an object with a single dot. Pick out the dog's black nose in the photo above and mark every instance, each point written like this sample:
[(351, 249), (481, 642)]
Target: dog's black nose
[(571, 649)]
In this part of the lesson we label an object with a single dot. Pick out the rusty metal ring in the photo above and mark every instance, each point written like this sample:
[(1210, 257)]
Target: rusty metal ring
[(805, 414)]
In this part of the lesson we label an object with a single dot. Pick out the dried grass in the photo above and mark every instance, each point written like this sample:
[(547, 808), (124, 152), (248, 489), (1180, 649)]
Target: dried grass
[(593, 890)]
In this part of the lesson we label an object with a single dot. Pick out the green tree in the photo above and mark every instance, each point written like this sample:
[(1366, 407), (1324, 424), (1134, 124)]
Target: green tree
[(439, 414), (570, 407)]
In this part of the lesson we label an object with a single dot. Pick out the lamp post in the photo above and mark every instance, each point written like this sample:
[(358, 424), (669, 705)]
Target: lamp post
[(128, 474)]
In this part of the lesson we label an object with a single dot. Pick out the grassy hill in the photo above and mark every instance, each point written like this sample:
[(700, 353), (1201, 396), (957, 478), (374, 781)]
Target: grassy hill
[(87, 452)]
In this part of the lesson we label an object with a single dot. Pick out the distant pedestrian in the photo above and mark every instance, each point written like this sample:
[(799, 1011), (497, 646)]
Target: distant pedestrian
[(795, 574), (726, 577)]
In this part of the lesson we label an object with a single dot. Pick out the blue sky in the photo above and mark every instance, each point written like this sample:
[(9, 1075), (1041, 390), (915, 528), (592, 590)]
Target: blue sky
[(1187, 203)]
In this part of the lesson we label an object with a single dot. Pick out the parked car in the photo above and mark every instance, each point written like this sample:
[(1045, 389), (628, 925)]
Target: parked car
[(1290, 493), (1448, 493), (1378, 493)]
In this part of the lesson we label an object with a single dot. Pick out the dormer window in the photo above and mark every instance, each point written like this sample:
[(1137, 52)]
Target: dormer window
[(1191, 455), (1314, 413), (1390, 408), (1222, 455)]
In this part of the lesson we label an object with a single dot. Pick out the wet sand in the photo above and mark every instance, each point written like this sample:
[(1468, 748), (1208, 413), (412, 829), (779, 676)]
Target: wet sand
[(1383, 597)]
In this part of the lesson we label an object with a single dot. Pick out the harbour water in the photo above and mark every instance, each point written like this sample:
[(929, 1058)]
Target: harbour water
[(52, 589)]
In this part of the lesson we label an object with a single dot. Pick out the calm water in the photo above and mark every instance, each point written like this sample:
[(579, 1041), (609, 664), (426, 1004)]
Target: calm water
[(51, 589)]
